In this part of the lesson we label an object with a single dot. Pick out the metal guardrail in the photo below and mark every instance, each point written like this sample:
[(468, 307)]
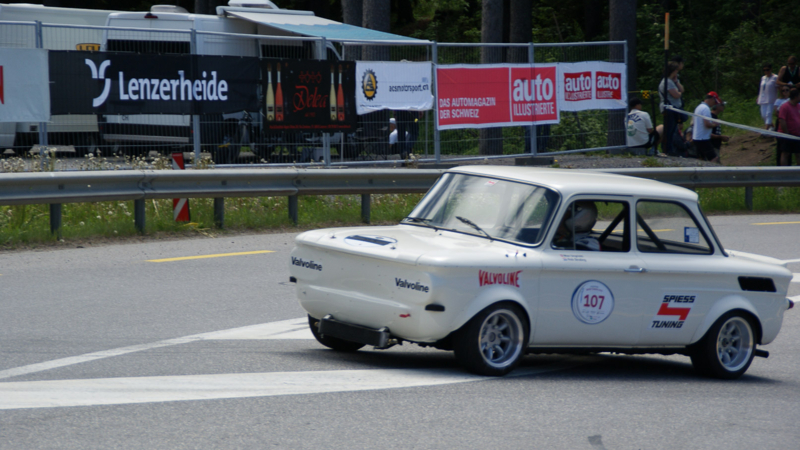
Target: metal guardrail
[(56, 188)]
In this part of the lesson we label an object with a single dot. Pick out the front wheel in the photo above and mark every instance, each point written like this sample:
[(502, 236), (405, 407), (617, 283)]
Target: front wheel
[(727, 349), (331, 342), (494, 341)]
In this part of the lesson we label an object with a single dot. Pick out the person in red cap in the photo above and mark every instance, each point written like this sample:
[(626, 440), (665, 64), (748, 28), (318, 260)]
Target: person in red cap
[(789, 123), (701, 132)]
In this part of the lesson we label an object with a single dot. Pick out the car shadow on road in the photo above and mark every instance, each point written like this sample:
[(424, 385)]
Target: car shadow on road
[(594, 367)]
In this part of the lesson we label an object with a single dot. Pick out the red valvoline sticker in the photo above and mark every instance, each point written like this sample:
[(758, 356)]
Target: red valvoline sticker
[(608, 86)]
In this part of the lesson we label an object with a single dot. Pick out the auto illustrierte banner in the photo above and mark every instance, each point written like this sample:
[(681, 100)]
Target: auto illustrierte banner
[(393, 85), (471, 96), (592, 85), (309, 95), (24, 96), (126, 83)]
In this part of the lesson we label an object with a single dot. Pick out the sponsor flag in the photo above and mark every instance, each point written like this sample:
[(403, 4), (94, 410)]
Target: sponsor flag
[(309, 95), (393, 85), (592, 85), (126, 83), (24, 95)]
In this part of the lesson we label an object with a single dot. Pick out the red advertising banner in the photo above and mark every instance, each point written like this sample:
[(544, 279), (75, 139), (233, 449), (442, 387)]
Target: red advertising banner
[(496, 96), (472, 97)]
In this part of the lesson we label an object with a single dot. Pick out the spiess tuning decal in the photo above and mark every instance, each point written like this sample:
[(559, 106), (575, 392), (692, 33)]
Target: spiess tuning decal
[(673, 312)]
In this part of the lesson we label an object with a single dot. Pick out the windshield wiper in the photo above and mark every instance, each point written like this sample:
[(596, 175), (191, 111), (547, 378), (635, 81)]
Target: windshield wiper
[(421, 220), (474, 225)]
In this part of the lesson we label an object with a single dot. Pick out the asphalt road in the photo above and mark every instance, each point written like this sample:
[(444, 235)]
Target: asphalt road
[(106, 348)]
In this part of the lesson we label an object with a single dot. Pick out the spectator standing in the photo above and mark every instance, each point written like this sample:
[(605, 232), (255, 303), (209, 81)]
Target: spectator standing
[(789, 123), (789, 75), (640, 134), (407, 131), (767, 94), (670, 94), (784, 97), (701, 133)]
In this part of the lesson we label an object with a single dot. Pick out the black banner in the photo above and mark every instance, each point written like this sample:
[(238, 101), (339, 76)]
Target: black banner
[(309, 95), (127, 83)]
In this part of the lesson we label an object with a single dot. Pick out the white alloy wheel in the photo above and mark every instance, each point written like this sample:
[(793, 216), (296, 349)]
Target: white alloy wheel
[(735, 344)]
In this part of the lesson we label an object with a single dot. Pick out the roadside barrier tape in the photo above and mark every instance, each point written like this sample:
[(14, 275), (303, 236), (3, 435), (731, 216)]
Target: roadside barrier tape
[(737, 125)]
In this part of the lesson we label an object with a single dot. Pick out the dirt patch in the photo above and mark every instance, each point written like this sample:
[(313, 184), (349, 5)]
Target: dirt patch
[(749, 149)]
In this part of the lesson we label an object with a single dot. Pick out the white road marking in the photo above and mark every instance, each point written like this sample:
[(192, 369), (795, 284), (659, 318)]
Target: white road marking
[(796, 278), (790, 261), (284, 329), (118, 391)]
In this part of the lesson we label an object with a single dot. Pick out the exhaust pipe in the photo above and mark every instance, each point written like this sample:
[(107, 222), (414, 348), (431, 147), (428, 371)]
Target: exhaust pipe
[(762, 353)]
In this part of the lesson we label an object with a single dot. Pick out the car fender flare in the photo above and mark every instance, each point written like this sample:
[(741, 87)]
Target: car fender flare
[(490, 296), (722, 306)]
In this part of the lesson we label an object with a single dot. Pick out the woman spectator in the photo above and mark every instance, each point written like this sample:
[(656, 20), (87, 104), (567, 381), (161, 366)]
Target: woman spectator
[(670, 94), (767, 94)]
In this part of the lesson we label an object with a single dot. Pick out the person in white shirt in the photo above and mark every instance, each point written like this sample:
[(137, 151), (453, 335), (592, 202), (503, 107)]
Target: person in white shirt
[(640, 133), (701, 128), (767, 94)]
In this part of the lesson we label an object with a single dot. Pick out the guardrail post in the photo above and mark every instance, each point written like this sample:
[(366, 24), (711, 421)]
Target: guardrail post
[(55, 219), (138, 215), (219, 212), (748, 198), (365, 207), (293, 208)]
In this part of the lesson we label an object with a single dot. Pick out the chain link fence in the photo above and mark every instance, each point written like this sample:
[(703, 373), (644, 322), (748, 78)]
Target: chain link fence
[(241, 135)]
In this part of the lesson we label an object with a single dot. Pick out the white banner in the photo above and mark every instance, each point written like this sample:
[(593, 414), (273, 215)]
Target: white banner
[(393, 85), (592, 85), (24, 85)]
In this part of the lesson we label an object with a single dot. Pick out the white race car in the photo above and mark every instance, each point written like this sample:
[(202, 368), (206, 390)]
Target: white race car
[(496, 262)]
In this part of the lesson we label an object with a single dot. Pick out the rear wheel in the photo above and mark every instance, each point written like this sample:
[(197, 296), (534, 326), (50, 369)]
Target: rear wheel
[(727, 349), (494, 341), (331, 342)]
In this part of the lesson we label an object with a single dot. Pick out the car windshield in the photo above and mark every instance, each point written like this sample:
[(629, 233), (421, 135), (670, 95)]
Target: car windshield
[(487, 207)]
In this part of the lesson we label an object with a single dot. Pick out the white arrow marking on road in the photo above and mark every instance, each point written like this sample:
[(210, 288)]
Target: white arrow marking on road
[(284, 329), (119, 391)]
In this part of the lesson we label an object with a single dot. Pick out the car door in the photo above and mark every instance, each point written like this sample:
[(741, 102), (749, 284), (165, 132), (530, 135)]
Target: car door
[(591, 297), (685, 273)]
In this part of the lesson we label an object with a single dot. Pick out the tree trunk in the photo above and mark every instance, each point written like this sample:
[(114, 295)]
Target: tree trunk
[(491, 139), (622, 27), (592, 19), (377, 16), (521, 29), (353, 14)]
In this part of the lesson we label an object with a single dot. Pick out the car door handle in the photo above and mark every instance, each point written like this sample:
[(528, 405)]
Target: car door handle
[(634, 269)]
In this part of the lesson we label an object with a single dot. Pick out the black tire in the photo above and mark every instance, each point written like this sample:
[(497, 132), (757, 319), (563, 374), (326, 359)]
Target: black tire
[(331, 342), (494, 341), (727, 349)]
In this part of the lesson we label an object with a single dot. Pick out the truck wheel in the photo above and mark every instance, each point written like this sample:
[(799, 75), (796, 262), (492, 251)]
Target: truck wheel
[(727, 349), (331, 342), (494, 341)]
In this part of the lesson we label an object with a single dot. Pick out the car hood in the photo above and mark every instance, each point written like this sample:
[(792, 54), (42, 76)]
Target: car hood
[(754, 257), (410, 244)]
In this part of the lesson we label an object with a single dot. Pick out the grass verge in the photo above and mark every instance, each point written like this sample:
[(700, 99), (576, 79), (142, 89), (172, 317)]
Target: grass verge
[(28, 226)]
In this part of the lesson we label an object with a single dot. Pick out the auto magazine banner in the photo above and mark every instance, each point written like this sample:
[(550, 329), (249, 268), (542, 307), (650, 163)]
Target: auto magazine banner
[(24, 96), (127, 83), (393, 85), (480, 96), (470, 96), (308, 95), (592, 85)]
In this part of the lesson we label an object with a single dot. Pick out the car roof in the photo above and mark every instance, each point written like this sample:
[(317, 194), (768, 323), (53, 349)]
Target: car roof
[(573, 181)]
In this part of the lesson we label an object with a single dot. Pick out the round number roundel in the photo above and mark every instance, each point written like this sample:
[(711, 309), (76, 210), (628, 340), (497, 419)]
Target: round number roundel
[(592, 302)]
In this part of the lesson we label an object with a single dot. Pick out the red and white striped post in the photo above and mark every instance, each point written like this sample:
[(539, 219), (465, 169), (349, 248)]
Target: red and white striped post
[(180, 206)]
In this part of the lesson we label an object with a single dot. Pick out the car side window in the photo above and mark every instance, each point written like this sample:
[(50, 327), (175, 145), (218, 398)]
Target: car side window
[(594, 225), (668, 227)]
